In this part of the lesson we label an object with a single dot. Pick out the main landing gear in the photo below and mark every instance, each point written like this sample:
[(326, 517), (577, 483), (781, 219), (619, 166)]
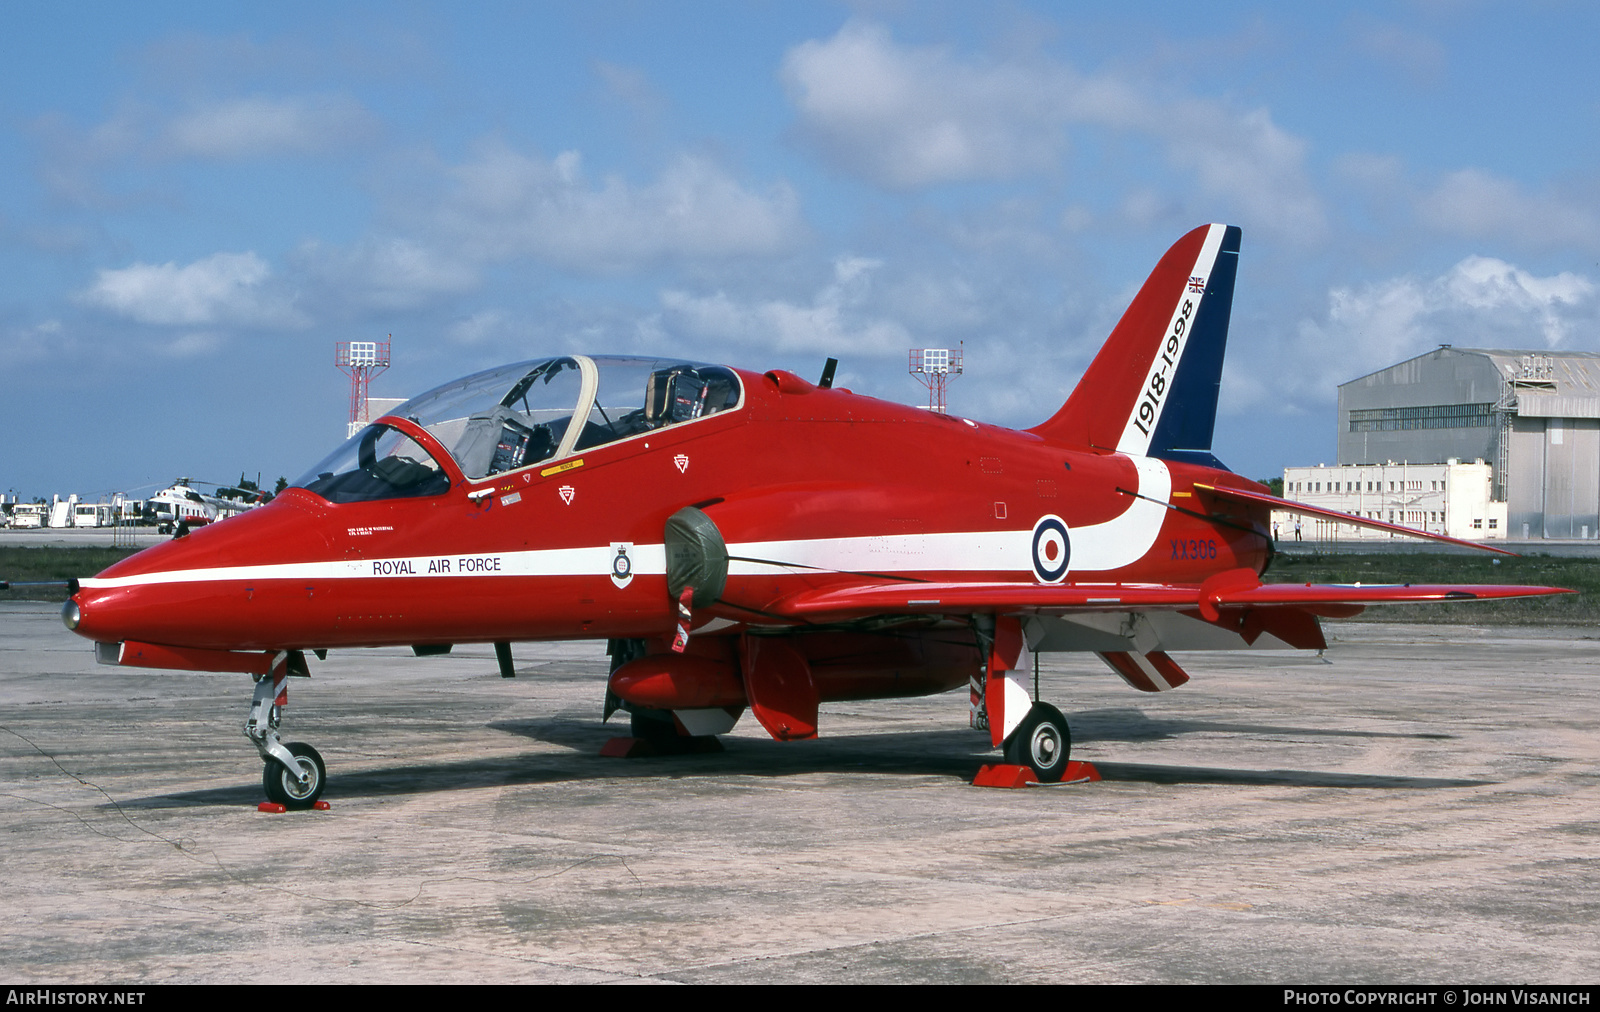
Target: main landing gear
[(1041, 742), (294, 774)]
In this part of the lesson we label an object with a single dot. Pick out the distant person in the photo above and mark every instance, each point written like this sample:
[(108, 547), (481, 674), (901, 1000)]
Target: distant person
[(1297, 530), (1274, 530)]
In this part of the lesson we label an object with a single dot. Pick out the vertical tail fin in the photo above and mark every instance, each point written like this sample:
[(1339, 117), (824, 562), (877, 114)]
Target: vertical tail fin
[(1152, 389)]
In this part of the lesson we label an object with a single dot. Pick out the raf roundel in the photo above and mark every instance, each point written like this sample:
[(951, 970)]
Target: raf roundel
[(1052, 549)]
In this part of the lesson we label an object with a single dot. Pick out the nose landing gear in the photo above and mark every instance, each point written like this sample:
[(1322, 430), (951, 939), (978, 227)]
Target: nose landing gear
[(294, 774)]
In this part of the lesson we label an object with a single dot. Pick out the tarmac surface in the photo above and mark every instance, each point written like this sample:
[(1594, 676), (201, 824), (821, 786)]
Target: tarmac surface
[(1422, 809)]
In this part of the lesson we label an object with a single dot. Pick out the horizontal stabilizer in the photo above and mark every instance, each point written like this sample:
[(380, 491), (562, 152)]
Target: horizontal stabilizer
[(1290, 506)]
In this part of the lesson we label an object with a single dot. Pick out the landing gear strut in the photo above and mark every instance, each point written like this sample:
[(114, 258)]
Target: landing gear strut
[(294, 775)]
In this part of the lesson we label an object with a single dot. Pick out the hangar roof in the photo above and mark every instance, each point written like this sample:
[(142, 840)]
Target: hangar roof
[(1548, 384)]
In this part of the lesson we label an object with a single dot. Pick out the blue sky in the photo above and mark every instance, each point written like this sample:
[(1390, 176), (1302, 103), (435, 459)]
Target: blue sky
[(198, 200)]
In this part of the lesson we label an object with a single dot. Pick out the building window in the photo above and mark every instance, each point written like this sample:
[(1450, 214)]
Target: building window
[(1477, 524), (1494, 524), (1435, 416)]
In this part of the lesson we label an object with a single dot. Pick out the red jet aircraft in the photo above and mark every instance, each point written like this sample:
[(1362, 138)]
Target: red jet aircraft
[(755, 540)]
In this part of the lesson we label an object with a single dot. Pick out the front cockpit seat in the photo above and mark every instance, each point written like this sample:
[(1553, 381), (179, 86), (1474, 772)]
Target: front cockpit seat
[(497, 441)]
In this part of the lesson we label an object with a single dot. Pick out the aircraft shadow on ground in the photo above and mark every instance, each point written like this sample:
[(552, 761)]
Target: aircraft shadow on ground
[(1129, 724), (942, 753), (1146, 774)]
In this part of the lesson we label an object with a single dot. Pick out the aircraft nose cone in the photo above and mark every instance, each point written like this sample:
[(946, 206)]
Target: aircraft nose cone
[(71, 616)]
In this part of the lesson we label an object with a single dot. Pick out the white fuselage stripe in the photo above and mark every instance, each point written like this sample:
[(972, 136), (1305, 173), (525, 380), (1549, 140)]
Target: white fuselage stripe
[(1096, 548)]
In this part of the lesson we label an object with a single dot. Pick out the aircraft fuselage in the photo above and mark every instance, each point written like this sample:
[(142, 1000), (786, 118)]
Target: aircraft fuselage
[(808, 486)]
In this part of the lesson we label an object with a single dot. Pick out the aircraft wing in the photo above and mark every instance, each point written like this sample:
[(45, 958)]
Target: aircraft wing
[(1290, 506), (1234, 589)]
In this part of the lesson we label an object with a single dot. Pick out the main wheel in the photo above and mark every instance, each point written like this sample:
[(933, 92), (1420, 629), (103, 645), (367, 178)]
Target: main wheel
[(660, 729), (1042, 742), (652, 725), (285, 789)]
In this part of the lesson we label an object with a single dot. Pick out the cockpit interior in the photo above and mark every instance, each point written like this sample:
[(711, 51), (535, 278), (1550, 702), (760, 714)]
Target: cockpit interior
[(516, 416)]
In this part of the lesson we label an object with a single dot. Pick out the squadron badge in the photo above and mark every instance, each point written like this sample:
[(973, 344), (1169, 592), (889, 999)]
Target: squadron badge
[(621, 564)]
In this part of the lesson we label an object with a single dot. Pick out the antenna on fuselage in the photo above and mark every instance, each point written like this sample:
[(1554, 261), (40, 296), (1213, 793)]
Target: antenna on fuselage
[(827, 373)]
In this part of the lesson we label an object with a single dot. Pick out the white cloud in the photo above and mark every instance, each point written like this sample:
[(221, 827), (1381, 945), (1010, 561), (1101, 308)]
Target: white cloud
[(222, 288), (26, 345), (507, 204), (261, 125), (834, 321), (258, 126), (192, 345), (630, 87), (1477, 204), (386, 274), (907, 117), (226, 130), (910, 117), (1481, 302), (1420, 56), (479, 327)]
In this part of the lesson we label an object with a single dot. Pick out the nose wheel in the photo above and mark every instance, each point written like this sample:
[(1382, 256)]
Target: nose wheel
[(295, 791)]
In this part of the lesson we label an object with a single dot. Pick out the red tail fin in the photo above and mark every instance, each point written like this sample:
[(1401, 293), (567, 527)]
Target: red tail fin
[(1152, 389)]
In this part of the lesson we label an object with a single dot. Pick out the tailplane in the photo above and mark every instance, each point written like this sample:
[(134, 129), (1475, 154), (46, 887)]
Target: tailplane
[(1152, 389)]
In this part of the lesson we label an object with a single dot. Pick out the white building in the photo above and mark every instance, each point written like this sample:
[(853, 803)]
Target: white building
[(1453, 499), (1534, 415)]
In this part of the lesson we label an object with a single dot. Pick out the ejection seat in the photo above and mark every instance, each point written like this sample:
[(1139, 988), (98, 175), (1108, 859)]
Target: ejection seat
[(497, 441)]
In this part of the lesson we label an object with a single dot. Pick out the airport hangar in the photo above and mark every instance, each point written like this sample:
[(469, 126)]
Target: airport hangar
[(1469, 442)]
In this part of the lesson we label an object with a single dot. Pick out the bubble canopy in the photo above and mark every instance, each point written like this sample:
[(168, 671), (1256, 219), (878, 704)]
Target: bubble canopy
[(519, 415)]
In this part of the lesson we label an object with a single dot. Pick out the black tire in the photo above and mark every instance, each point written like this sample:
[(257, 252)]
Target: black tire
[(285, 789), (652, 725), (1041, 742)]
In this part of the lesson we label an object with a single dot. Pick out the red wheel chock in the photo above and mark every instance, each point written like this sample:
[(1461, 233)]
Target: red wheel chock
[(1009, 775), (273, 808)]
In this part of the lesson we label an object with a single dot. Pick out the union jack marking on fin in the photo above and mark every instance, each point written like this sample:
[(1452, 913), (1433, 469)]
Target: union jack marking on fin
[(1197, 284)]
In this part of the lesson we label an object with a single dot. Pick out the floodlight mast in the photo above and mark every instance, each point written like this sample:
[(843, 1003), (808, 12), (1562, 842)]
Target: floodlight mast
[(933, 368), (361, 360)]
